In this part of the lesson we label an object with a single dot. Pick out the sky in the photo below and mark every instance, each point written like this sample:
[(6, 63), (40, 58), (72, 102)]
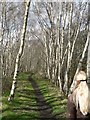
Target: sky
[(62, 0), (46, 0)]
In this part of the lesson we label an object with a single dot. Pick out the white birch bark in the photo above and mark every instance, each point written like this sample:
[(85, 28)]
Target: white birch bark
[(78, 29), (50, 57), (1, 38), (80, 64), (1, 66), (1, 73), (62, 38), (74, 41), (63, 22), (88, 58), (51, 41), (11, 96), (88, 61), (58, 67), (1, 51), (60, 50), (47, 54), (69, 51), (60, 43)]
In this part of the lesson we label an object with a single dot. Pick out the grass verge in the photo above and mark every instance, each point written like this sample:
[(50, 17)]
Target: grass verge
[(53, 97), (23, 107)]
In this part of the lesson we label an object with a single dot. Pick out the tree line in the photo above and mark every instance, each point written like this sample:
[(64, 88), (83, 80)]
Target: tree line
[(52, 39)]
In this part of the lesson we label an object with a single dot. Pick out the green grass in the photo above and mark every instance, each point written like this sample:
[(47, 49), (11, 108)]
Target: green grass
[(24, 107), (53, 97)]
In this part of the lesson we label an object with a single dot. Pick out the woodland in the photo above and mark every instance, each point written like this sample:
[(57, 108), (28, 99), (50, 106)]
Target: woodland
[(43, 45)]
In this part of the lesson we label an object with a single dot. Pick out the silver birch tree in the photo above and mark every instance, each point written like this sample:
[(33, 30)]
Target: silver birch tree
[(12, 93), (69, 49), (79, 64), (74, 41), (88, 57), (88, 60)]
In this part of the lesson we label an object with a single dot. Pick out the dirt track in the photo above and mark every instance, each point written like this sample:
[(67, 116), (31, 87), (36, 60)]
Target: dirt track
[(43, 107)]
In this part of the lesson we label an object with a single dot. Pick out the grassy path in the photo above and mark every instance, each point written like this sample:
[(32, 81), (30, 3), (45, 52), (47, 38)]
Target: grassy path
[(35, 99), (44, 108), (24, 105)]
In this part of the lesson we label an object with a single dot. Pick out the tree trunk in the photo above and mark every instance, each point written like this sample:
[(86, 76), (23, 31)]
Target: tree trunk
[(79, 65), (1, 54), (69, 51), (88, 58), (58, 53), (47, 55), (1, 70), (11, 96)]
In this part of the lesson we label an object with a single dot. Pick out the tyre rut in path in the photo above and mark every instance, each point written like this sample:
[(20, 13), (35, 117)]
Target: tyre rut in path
[(43, 107)]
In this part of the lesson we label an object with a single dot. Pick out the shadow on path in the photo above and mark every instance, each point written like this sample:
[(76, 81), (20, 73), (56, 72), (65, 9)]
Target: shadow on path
[(43, 107)]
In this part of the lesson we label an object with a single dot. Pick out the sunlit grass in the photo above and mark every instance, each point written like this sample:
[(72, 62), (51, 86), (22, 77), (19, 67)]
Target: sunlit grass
[(53, 97), (24, 106)]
